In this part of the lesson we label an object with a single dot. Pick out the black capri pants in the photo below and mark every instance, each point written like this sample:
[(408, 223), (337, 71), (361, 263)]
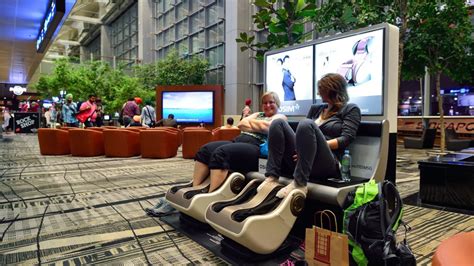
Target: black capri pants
[(240, 155)]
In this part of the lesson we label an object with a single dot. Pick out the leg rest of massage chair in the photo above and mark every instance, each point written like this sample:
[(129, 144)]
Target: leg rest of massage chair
[(53, 141), (193, 201), (258, 221), (121, 143)]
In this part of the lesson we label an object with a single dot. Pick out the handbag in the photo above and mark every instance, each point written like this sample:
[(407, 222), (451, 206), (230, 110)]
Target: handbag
[(264, 149), (325, 246)]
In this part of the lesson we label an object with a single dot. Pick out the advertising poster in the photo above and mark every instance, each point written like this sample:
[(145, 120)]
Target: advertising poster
[(290, 75), (359, 59), (26, 122)]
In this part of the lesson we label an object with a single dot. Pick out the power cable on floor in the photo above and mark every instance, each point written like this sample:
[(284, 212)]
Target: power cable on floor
[(167, 233), (38, 249)]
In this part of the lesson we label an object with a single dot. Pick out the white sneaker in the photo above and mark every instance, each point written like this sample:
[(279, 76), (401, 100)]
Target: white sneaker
[(267, 180), (282, 193)]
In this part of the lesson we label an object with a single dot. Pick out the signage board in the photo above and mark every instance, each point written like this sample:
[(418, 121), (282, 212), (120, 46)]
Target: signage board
[(53, 16), (26, 122)]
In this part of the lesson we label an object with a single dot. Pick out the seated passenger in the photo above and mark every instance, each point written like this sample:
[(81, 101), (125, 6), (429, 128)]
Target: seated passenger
[(229, 124), (216, 159), (136, 121), (169, 122), (314, 151)]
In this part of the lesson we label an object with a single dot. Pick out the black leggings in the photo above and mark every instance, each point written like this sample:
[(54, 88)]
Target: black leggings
[(235, 156)]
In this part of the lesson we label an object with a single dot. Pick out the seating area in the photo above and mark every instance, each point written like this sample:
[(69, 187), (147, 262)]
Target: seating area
[(154, 143), (425, 142)]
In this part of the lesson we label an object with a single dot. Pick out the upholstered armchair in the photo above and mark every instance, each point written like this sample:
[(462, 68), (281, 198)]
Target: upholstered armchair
[(453, 142), (86, 142), (193, 139), (159, 143), (225, 133), (425, 142), (121, 143), (53, 141)]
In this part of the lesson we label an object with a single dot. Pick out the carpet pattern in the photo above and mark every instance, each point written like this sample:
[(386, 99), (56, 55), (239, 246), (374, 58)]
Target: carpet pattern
[(72, 210)]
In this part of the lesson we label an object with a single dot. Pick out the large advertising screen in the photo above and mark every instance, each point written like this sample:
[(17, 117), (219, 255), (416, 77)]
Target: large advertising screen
[(290, 75), (359, 59), (189, 106)]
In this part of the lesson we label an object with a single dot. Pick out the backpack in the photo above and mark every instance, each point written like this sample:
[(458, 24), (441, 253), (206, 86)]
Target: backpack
[(372, 215)]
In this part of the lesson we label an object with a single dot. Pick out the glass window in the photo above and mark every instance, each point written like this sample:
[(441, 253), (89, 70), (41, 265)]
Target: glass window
[(168, 4), (159, 6), (169, 18), (182, 29), (159, 40), (197, 41), (194, 5), (125, 33), (182, 11), (211, 15), (183, 47), (196, 21), (215, 34)]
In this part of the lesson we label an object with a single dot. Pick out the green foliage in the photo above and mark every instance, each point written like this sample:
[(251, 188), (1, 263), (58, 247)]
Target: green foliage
[(112, 86), (441, 39), (173, 70), (284, 25)]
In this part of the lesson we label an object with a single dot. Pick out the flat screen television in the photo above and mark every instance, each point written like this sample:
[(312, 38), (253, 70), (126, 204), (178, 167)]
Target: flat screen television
[(359, 59), (191, 107), (289, 73)]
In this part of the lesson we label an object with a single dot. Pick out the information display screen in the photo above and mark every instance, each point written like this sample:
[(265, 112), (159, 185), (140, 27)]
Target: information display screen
[(189, 106)]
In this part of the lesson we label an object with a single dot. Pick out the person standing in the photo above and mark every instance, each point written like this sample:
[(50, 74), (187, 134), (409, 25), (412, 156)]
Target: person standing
[(148, 115), (246, 111), (69, 112), (87, 112), (129, 110)]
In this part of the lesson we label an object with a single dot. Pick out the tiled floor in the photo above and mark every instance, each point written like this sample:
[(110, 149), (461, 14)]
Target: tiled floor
[(70, 210)]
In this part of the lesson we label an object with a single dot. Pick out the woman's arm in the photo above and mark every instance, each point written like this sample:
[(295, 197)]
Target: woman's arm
[(251, 124), (350, 125)]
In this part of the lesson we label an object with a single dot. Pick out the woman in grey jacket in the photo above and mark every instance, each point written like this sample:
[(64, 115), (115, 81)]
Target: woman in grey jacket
[(314, 151)]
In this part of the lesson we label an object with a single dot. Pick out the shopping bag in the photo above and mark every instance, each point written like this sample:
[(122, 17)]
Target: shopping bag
[(325, 246)]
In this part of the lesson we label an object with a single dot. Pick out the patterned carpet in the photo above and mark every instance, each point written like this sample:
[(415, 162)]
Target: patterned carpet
[(70, 210)]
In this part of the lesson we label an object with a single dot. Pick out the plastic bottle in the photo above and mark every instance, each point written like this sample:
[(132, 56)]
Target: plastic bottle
[(346, 166)]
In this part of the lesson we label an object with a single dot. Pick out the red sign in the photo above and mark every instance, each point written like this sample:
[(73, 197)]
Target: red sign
[(461, 125)]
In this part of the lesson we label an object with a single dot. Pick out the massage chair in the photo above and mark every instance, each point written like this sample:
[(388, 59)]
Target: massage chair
[(258, 221), (193, 201)]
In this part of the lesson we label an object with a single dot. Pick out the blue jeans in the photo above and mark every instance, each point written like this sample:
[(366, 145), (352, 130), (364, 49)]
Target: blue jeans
[(315, 158)]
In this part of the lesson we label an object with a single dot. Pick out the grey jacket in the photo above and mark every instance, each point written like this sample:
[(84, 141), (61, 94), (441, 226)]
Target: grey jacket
[(341, 126)]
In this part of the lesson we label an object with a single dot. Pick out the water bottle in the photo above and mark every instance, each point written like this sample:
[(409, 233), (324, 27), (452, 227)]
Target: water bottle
[(346, 166)]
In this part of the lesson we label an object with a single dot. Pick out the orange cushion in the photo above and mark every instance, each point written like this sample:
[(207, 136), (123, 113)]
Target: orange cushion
[(457, 250)]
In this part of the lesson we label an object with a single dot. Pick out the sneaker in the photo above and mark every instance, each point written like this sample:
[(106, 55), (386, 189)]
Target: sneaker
[(160, 202), (163, 210), (267, 180), (286, 190)]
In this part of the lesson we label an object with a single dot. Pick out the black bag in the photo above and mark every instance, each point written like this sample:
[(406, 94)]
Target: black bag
[(371, 218), (120, 118)]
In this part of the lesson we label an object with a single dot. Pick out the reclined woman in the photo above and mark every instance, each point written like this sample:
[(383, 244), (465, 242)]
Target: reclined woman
[(314, 151), (214, 160)]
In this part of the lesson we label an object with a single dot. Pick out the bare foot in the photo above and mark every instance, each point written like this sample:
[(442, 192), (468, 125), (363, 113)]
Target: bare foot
[(267, 180)]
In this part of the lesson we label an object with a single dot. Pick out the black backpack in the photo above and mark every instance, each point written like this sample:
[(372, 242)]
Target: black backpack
[(372, 215)]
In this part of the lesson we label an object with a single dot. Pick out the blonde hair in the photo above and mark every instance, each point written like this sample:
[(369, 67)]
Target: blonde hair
[(274, 95)]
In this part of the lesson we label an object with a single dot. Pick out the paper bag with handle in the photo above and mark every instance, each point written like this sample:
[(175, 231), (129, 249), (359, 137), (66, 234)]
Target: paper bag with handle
[(326, 246)]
